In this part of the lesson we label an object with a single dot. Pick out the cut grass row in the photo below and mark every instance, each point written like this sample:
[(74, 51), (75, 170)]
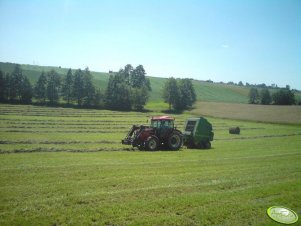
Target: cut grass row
[(104, 145), (55, 133)]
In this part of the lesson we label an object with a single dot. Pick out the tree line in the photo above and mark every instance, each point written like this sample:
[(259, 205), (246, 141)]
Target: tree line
[(15, 87), (49, 88), (127, 89), (283, 96)]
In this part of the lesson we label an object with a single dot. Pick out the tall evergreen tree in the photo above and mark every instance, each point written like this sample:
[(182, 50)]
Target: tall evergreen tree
[(67, 86), (6, 90), (16, 83), (2, 86), (110, 93), (41, 88), (53, 86), (89, 89), (26, 91), (78, 91)]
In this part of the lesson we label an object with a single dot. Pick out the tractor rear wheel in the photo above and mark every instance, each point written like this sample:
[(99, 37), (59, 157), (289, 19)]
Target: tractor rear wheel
[(152, 143), (175, 141)]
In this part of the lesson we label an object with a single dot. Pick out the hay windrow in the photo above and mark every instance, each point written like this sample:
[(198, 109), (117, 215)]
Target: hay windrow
[(58, 142), (259, 137)]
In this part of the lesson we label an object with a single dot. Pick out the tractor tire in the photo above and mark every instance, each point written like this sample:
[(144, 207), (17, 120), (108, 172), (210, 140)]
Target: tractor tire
[(140, 147), (208, 145), (200, 145), (190, 145), (175, 141), (152, 143)]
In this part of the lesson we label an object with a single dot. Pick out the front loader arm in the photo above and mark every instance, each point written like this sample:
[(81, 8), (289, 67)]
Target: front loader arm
[(129, 137)]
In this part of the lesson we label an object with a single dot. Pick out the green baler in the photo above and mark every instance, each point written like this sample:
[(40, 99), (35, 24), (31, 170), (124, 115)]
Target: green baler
[(198, 133)]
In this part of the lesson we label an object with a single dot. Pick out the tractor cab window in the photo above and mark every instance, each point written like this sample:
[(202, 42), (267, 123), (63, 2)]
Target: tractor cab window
[(162, 124), (166, 124), (155, 124)]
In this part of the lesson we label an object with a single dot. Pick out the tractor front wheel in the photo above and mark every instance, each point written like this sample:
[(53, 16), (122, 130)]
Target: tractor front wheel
[(175, 141), (152, 143)]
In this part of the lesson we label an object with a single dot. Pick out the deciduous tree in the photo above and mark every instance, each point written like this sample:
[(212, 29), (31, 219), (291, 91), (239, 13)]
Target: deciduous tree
[(118, 94), (139, 97), (187, 94), (283, 97), (265, 96), (171, 92), (253, 96)]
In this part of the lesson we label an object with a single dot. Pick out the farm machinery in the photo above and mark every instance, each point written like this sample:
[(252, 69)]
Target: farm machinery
[(198, 133), (162, 134)]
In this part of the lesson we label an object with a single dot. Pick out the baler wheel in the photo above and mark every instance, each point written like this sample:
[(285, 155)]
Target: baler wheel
[(175, 141), (208, 145)]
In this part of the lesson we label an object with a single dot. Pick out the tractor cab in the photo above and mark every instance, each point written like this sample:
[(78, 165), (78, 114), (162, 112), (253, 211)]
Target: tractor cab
[(162, 126), (162, 122)]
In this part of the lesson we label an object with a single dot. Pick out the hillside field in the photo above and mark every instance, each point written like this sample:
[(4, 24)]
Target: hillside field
[(251, 112), (63, 166), (209, 92)]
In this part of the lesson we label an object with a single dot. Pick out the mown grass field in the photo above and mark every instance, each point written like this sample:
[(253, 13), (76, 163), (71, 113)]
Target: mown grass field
[(67, 167), (260, 113)]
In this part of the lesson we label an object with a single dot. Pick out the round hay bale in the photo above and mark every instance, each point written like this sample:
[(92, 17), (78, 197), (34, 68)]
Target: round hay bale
[(234, 130)]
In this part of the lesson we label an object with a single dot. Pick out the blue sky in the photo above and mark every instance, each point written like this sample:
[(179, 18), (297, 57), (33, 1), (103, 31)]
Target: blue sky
[(256, 41)]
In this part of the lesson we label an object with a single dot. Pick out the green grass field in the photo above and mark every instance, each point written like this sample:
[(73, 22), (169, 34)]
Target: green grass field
[(67, 167)]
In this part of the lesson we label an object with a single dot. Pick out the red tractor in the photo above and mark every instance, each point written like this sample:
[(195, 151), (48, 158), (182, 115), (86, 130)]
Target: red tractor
[(160, 134)]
